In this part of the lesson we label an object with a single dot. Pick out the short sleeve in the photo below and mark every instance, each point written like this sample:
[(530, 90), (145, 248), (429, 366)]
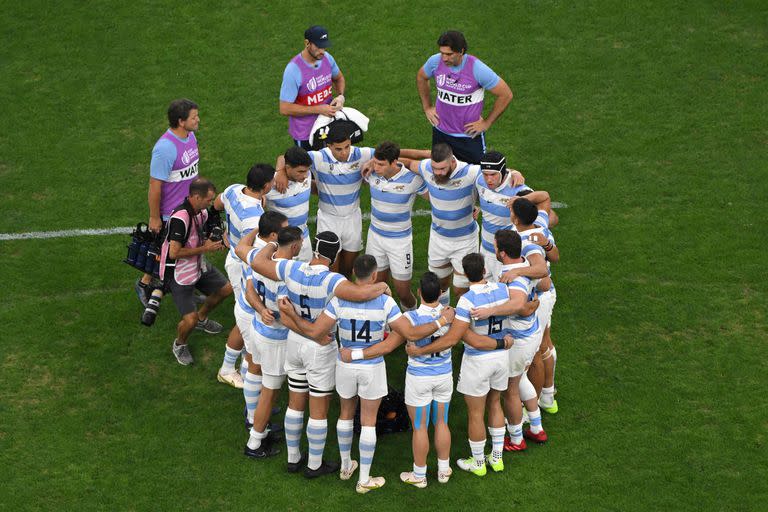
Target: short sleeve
[(331, 308), (430, 66), (462, 309), (163, 156), (177, 230), (334, 66), (283, 268), (484, 75), (422, 187), (393, 312), (289, 89), (334, 281), (542, 219)]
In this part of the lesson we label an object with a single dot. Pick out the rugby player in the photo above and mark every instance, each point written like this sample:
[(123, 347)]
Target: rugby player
[(293, 200), (484, 370), (361, 325), (309, 365), (243, 207)]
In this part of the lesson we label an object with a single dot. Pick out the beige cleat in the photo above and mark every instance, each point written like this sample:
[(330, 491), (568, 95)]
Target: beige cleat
[(346, 474), (409, 478), (444, 476), (373, 482), (234, 379)]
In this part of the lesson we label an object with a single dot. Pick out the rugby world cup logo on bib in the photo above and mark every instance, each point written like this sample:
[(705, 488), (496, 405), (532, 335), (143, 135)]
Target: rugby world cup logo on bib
[(312, 84), (440, 80), (186, 158)]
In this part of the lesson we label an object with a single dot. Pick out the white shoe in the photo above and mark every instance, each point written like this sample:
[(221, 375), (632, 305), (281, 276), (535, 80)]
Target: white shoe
[(346, 474), (234, 379), (444, 476), (373, 482), (409, 477)]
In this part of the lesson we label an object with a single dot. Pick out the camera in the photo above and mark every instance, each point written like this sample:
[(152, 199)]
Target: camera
[(153, 306), (213, 228)]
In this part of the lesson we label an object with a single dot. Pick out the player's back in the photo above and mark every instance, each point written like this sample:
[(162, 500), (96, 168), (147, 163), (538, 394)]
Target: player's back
[(309, 287), (361, 324), (480, 296), (438, 363)]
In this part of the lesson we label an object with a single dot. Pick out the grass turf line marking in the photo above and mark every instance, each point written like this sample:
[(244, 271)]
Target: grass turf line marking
[(38, 235)]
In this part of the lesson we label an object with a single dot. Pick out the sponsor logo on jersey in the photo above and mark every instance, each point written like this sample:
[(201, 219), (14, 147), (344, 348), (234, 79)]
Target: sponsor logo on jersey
[(440, 80), (189, 155)]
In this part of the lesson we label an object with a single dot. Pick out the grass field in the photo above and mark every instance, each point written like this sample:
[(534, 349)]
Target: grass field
[(646, 119)]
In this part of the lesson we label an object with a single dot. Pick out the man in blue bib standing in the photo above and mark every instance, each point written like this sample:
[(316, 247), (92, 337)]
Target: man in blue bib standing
[(461, 81), (307, 86)]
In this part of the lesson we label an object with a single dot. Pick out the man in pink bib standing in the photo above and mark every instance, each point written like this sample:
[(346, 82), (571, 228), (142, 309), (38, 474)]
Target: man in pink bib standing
[(308, 83), (461, 81)]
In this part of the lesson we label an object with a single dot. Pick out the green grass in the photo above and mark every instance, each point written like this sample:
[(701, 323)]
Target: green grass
[(647, 119)]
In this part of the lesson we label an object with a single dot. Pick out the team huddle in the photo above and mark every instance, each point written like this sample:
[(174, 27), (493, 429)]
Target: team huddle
[(319, 312)]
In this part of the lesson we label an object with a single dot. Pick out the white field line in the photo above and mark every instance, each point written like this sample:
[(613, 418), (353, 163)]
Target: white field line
[(37, 235)]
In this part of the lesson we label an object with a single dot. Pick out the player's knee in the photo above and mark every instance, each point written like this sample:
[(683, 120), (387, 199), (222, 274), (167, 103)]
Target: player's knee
[(527, 391), (297, 382)]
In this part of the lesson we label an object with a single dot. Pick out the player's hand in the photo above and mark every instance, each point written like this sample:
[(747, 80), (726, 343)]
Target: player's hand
[(210, 246), (432, 116), (281, 181), (327, 339), (480, 313), (366, 169), (155, 224), (412, 349), (475, 212), (510, 275), (517, 178), (338, 102), (476, 128), (267, 317), (285, 306), (539, 239), (508, 341), (346, 355), (384, 289), (449, 314), (327, 110)]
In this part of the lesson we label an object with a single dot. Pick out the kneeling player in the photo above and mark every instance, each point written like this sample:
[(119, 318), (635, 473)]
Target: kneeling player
[(361, 325)]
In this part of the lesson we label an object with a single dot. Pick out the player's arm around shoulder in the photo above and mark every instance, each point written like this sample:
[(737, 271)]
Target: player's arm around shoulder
[(348, 290), (416, 332), (383, 348)]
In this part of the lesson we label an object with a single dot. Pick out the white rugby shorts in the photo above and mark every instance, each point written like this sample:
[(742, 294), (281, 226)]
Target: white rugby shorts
[(421, 390), (480, 374), (349, 228), (234, 269), (318, 362), (444, 250), (395, 254), (368, 381), (546, 307), (244, 322)]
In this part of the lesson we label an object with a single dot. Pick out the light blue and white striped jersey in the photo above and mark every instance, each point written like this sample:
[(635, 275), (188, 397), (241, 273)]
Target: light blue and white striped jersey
[(392, 200), (438, 363), (530, 247), (542, 219), (453, 201), (269, 291), (338, 183), (521, 327), (361, 324), (478, 296), (310, 287), (243, 214), (493, 204), (293, 203)]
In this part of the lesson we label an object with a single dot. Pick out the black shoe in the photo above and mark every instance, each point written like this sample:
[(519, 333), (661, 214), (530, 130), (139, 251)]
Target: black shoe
[(275, 427), (295, 467), (326, 468), (274, 437), (266, 449)]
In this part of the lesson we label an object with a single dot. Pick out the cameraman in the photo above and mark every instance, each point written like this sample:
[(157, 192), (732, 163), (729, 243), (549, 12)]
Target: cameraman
[(183, 267)]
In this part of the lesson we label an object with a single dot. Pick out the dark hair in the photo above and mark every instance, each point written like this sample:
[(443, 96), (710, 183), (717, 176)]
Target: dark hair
[(296, 156), (271, 222), (364, 266), (327, 245), (525, 210), (508, 241), (338, 132), (259, 175), (180, 109), (388, 151), (441, 152), (430, 287), (200, 187), (454, 39), (474, 267), (288, 235)]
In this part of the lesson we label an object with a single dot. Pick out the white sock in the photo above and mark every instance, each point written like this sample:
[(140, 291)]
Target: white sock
[(445, 298), (419, 471), (243, 367), (497, 441), (255, 438), (230, 358), (317, 431), (516, 432), (251, 393), (344, 434), (367, 447), (548, 395), (478, 450), (535, 417), (443, 465), (294, 424)]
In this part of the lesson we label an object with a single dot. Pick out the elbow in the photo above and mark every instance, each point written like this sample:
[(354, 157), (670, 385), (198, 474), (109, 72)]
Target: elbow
[(283, 109)]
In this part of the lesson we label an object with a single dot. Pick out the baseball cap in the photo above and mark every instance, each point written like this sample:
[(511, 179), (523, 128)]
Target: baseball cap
[(318, 36), (493, 161)]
